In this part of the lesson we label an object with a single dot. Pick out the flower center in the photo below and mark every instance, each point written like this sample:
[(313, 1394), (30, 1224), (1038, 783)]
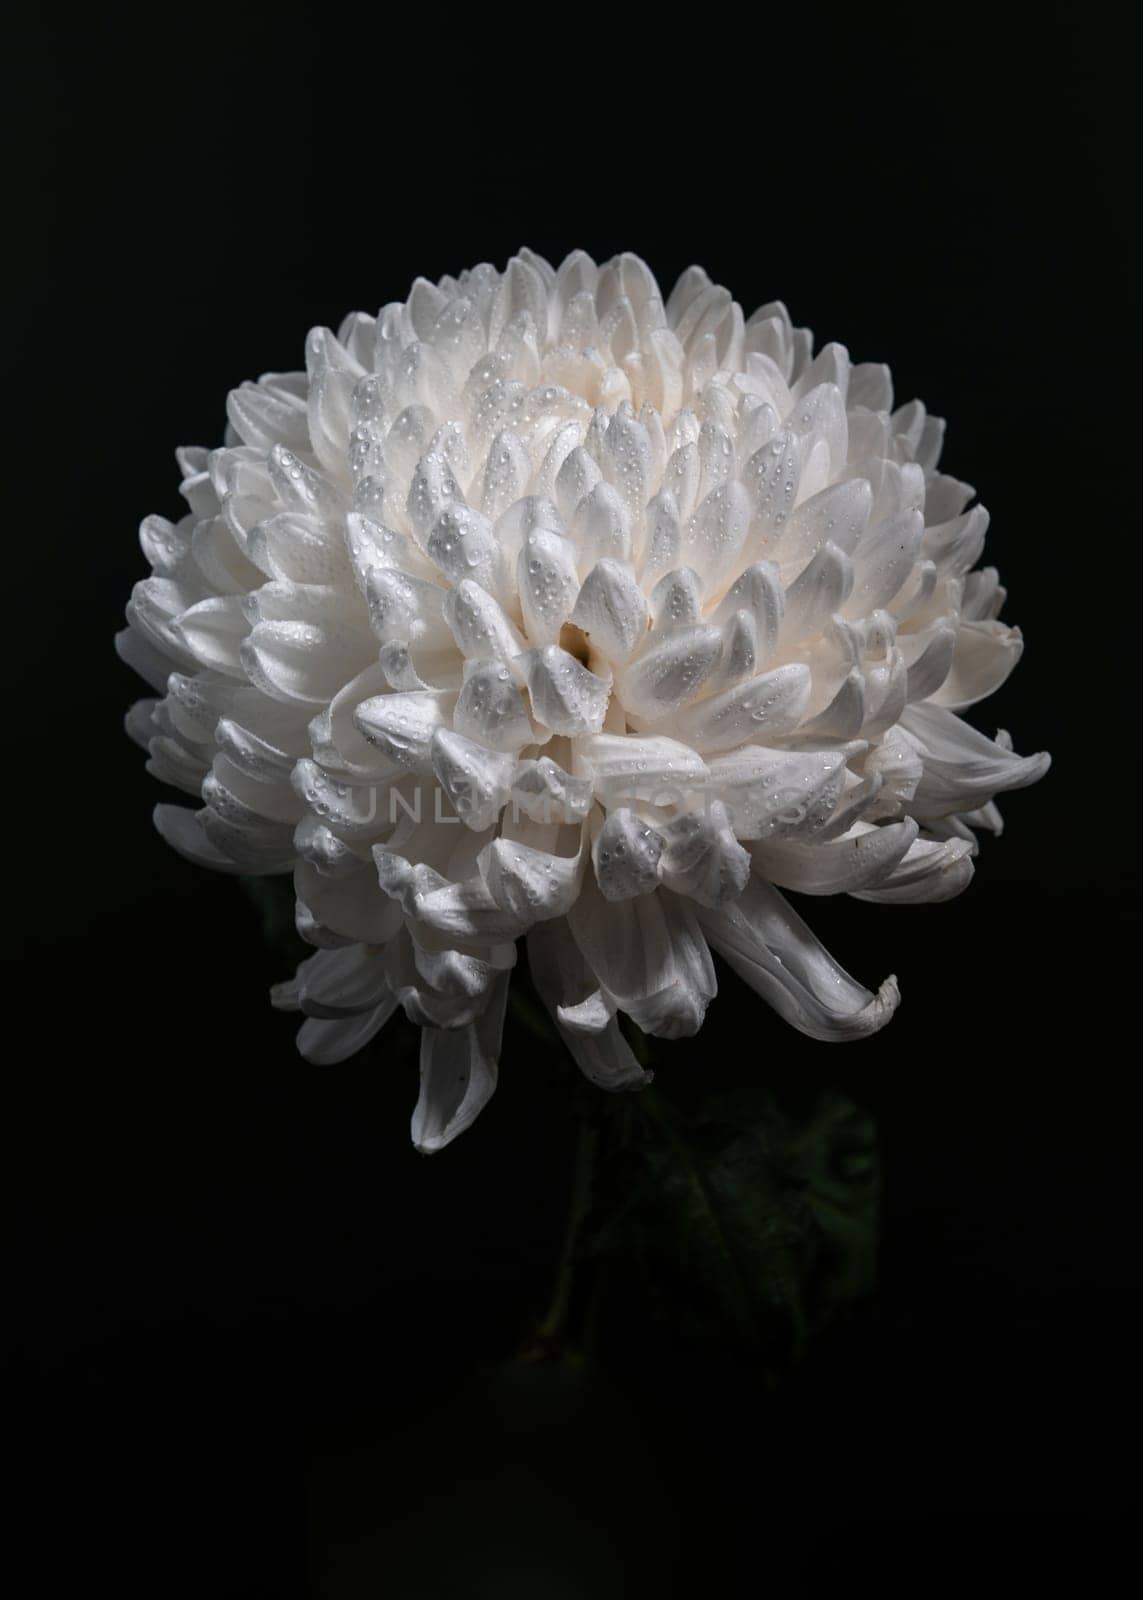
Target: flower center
[(576, 643)]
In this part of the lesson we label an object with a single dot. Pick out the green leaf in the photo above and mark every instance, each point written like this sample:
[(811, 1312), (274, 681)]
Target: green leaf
[(744, 1218)]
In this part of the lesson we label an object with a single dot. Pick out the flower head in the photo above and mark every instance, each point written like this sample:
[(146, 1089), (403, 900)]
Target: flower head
[(539, 607)]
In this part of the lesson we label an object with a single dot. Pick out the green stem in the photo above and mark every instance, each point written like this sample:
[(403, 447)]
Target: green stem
[(579, 1203)]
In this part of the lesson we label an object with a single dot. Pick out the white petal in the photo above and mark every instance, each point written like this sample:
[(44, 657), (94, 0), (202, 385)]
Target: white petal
[(212, 631), (624, 767), (758, 590), (182, 829), (433, 490), (303, 661), (370, 546), (962, 768), (778, 792), (763, 707), (349, 902), (300, 488), (676, 600), (568, 987), (715, 534), (576, 478), (327, 1043), (928, 656), (896, 763), (817, 592), (663, 537), (648, 956), (458, 1074), (405, 608), (506, 473), (839, 513), (844, 716), (626, 855), (477, 780), (534, 884), (253, 754), (871, 385), (602, 527), (490, 708), (469, 913), (611, 610), (626, 459), (220, 561), (566, 697), (945, 498), (883, 560), (260, 846), (772, 476), (702, 859), (543, 791), (341, 983), (439, 988), (669, 670), (931, 870), (830, 365), (264, 418), (820, 416), (463, 545), (139, 723), (986, 653), (955, 545), (479, 625), (402, 725), (984, 596), (338, 744), (166, 545), (856, 859), (142, 656), (548, 581), (770, 947)]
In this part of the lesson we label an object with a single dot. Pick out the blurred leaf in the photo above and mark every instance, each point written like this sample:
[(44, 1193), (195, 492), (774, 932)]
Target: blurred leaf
[(744, 1219), (273, 900)]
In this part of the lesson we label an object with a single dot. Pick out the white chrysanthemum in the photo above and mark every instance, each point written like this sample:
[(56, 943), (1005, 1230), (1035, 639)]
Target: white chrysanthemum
[(538, 607)]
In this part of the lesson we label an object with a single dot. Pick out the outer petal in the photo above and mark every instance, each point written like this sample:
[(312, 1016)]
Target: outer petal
[(341, 983), (930, 870), (649, 958), (770, 947), (327, 1042), (458, 1074), (182, 829), (962, 768), (567, 986), (986, 653), (863, 856)]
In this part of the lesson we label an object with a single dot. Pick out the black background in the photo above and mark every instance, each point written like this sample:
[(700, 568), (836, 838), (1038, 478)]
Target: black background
[(255, 1330)]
